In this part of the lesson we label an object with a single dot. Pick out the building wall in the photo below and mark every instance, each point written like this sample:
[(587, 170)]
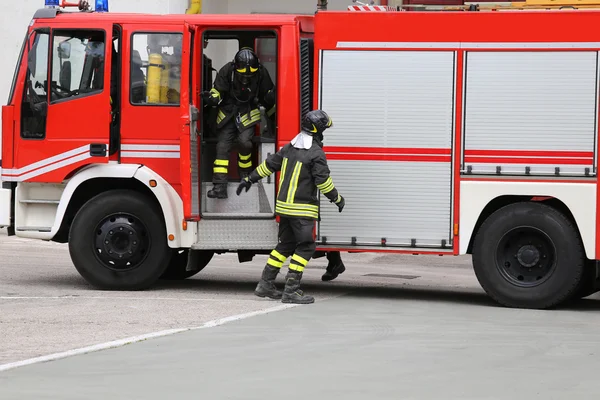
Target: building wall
[(16, 16)]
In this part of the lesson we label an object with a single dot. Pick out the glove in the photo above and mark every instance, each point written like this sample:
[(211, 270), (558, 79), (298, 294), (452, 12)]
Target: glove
[(209, 99), (246, 183), (341, 203), (270, 97)]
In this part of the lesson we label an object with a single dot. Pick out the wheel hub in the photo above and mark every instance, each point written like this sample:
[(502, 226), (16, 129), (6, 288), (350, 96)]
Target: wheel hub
[(121, 242), (528, 256)]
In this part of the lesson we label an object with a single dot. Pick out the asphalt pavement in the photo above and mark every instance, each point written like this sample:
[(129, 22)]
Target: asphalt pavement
[(391, 327), (372, 345)]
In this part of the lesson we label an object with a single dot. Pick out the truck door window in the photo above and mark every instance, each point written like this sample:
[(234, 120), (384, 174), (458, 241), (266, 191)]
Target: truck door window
[(35, 97), (77, 64), (156, 69)]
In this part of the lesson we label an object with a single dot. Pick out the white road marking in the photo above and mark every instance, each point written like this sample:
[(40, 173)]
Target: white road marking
[(140, 338), (118, 298)]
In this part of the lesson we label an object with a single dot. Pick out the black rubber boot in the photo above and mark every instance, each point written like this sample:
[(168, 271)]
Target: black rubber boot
[(219, 191), (333, 271), (292, 292), (266, 286)]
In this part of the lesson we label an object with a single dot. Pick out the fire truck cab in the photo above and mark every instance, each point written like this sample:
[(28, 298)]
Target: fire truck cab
[(464, 139)]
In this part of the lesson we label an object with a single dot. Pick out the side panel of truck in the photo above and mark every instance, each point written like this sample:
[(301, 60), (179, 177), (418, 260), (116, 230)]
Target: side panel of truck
[(390, 151)]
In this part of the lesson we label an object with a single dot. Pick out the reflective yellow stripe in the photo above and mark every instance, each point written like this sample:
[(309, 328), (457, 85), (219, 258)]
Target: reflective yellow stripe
[(220, 116), (271, 111), (339, 198), (219, 170), (294, 182), (254, 117), (325, 184), (253, 69), (253, 113), (307, 207), (245, 164), (274, 263), (300, 260), (243, 157), (278, 255), (263, 171), (328, 189), (223, 163), (296, 213), (253, 120), (296, 267), (282, 176)]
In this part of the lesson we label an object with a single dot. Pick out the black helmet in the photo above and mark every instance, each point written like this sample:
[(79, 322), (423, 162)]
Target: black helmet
[(315, 122), (246, 61)]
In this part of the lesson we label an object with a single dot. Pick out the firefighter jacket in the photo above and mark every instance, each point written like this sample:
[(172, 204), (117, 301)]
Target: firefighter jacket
[(234, 104), (303, 171)]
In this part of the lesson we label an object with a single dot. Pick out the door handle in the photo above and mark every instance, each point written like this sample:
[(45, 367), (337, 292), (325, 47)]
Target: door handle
[(98, 150)]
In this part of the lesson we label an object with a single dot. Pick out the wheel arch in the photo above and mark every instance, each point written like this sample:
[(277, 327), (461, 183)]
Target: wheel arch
[(502, 201), (97, 179), (480, 198)]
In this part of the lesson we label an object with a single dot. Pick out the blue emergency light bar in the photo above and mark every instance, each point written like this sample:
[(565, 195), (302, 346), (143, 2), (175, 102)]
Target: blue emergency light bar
[(101, 5)]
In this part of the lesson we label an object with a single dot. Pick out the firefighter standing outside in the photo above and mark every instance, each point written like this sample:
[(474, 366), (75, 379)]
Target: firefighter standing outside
[(240, 86), (304, 169)]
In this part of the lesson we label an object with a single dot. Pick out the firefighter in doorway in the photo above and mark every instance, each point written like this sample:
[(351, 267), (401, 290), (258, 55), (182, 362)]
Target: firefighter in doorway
[(239, 88), (304, 169)]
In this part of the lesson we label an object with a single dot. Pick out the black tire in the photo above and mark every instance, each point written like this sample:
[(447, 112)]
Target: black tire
[(118, 241), (515, 258), (176, 269)]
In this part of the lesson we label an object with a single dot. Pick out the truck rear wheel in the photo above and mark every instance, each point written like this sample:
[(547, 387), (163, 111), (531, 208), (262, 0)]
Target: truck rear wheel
[(177, 267), (118, 241), (528, 255)]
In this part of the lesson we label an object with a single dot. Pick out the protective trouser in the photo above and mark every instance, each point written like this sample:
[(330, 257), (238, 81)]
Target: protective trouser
[(295, 240), (227, 136)]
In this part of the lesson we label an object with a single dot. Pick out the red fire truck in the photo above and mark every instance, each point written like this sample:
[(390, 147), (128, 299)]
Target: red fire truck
[(453, 135)]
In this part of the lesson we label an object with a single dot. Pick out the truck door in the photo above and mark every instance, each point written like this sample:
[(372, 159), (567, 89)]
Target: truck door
[(64, 113), (155, 117)]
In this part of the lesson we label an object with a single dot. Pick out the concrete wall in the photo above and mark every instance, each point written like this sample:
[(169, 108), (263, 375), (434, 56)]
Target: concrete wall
[(16, 15)]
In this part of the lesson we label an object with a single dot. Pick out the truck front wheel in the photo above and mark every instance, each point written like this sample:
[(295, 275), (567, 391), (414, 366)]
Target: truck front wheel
[(117, 241), (528, 255)]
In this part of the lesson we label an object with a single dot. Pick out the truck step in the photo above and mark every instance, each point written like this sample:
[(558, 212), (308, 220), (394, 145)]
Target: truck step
[(237, 215), (256, 203), (55, 202), (34, 229)]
